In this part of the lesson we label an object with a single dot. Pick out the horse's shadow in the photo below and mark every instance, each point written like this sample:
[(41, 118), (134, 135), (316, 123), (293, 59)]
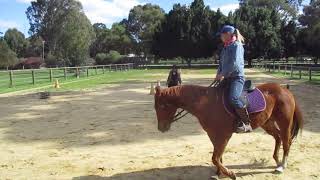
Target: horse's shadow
[(179, 173)]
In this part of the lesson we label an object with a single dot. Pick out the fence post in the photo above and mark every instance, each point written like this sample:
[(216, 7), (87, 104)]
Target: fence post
[(88, 71), (285, 69), (32, 73), (11, 78), (265, 66), (78, 72), (279, 68), (65, 73), (96, 70), (291, 70), (310, 74), (269, 67), (50, 75), (110, 68), (299, 73), (116, 67), (103, 69), (274, 67)]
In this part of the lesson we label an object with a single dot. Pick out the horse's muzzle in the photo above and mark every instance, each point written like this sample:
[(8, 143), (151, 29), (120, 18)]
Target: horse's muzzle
[(163, 127)]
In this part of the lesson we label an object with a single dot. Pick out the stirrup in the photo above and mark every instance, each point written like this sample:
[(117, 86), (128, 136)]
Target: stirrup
[(244, 128)]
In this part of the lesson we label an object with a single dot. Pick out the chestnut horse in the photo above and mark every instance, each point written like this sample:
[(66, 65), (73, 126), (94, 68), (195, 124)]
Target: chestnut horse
[(282, 117)]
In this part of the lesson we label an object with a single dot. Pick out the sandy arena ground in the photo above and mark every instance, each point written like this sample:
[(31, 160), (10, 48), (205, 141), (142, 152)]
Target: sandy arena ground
[(111, 134)]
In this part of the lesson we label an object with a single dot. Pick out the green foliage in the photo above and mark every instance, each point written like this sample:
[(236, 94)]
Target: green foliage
[(16, 41), (261, 29), (34, 46), (188, 32), (52, 61), (107, 39), (309, 37), (285, 7), (142, 22), (109, 58), (7, 56), (101, 58), (113, 56), (75, 39), (65, 28), (289, 36)]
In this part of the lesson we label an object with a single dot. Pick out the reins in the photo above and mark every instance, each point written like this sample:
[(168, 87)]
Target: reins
[(214, 84)]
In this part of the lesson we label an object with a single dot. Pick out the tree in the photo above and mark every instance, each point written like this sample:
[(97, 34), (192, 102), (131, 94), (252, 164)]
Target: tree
[(188, 32), (289, 35), (117, 38), (7, 56), (64, 27), (142, 23), (309, 38), (16, 41), (171, 38), (261, 28), (34, 46), (286, 7), (75, 39)]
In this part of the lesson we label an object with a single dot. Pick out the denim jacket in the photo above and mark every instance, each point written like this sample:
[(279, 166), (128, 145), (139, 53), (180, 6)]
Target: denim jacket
[(231, 62)]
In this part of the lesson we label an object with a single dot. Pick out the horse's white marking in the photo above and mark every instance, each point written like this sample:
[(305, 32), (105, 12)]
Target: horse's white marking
[(279, 169)]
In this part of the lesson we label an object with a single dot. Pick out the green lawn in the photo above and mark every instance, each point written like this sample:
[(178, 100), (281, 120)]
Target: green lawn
[(24, 81)]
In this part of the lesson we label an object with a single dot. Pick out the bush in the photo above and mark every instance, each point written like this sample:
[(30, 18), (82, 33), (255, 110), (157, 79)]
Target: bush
[(111, 57), (51, 60), (100, 58)]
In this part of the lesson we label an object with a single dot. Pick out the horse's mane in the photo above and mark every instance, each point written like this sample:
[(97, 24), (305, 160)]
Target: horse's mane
[(193, 90)]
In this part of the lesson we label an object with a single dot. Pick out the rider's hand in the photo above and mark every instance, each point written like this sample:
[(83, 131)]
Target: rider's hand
[(219, 77)]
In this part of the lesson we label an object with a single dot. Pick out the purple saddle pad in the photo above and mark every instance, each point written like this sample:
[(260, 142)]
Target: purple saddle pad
[(255, 102)]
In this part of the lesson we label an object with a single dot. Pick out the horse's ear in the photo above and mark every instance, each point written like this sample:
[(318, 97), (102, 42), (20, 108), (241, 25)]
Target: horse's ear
[(158, 90)]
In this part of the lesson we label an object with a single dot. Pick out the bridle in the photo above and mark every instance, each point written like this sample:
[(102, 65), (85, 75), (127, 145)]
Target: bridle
[(182, 113)]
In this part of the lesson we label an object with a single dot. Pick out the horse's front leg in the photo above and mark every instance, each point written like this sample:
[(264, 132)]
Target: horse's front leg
[(220, 144)]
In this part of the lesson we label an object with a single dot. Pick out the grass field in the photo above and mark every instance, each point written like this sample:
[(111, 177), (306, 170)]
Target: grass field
[(23, 79)]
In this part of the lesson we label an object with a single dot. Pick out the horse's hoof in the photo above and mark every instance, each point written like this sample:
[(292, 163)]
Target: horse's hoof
[(232, 175), (279, 170)]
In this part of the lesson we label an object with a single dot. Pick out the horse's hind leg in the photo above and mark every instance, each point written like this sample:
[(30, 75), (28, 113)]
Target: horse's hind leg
[(285, 124), (273, 129)]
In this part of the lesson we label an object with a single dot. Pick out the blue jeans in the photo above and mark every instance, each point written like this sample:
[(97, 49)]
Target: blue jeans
[(235, 89)]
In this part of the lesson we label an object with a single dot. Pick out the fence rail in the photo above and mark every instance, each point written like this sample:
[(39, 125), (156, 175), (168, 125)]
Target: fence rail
[(13, 78), (294, 70)]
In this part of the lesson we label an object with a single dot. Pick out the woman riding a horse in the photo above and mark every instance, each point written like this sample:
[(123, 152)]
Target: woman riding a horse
[(231, 70)]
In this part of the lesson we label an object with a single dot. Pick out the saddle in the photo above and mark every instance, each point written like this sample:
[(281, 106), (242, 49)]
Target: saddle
[(251, 96)]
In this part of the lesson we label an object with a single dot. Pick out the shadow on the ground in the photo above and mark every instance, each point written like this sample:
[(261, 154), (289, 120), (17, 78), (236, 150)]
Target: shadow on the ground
[(176, 173)]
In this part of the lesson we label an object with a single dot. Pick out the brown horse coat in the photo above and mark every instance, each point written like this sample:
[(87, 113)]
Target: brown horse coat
[(282, 117)]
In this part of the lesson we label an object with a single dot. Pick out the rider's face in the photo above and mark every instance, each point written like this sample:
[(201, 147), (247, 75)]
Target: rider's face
[(225, 37)]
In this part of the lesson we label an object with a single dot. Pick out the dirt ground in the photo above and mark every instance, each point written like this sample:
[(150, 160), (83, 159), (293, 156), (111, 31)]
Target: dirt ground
[(111, 134)]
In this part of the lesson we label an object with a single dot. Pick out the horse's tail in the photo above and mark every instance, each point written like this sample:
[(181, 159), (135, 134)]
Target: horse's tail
[(297, 121)]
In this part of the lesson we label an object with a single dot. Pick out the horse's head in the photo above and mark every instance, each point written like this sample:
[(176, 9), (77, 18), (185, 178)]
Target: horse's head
[(164, 109)]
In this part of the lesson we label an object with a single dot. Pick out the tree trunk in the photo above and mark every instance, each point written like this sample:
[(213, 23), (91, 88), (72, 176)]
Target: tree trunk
[(250, 63)]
